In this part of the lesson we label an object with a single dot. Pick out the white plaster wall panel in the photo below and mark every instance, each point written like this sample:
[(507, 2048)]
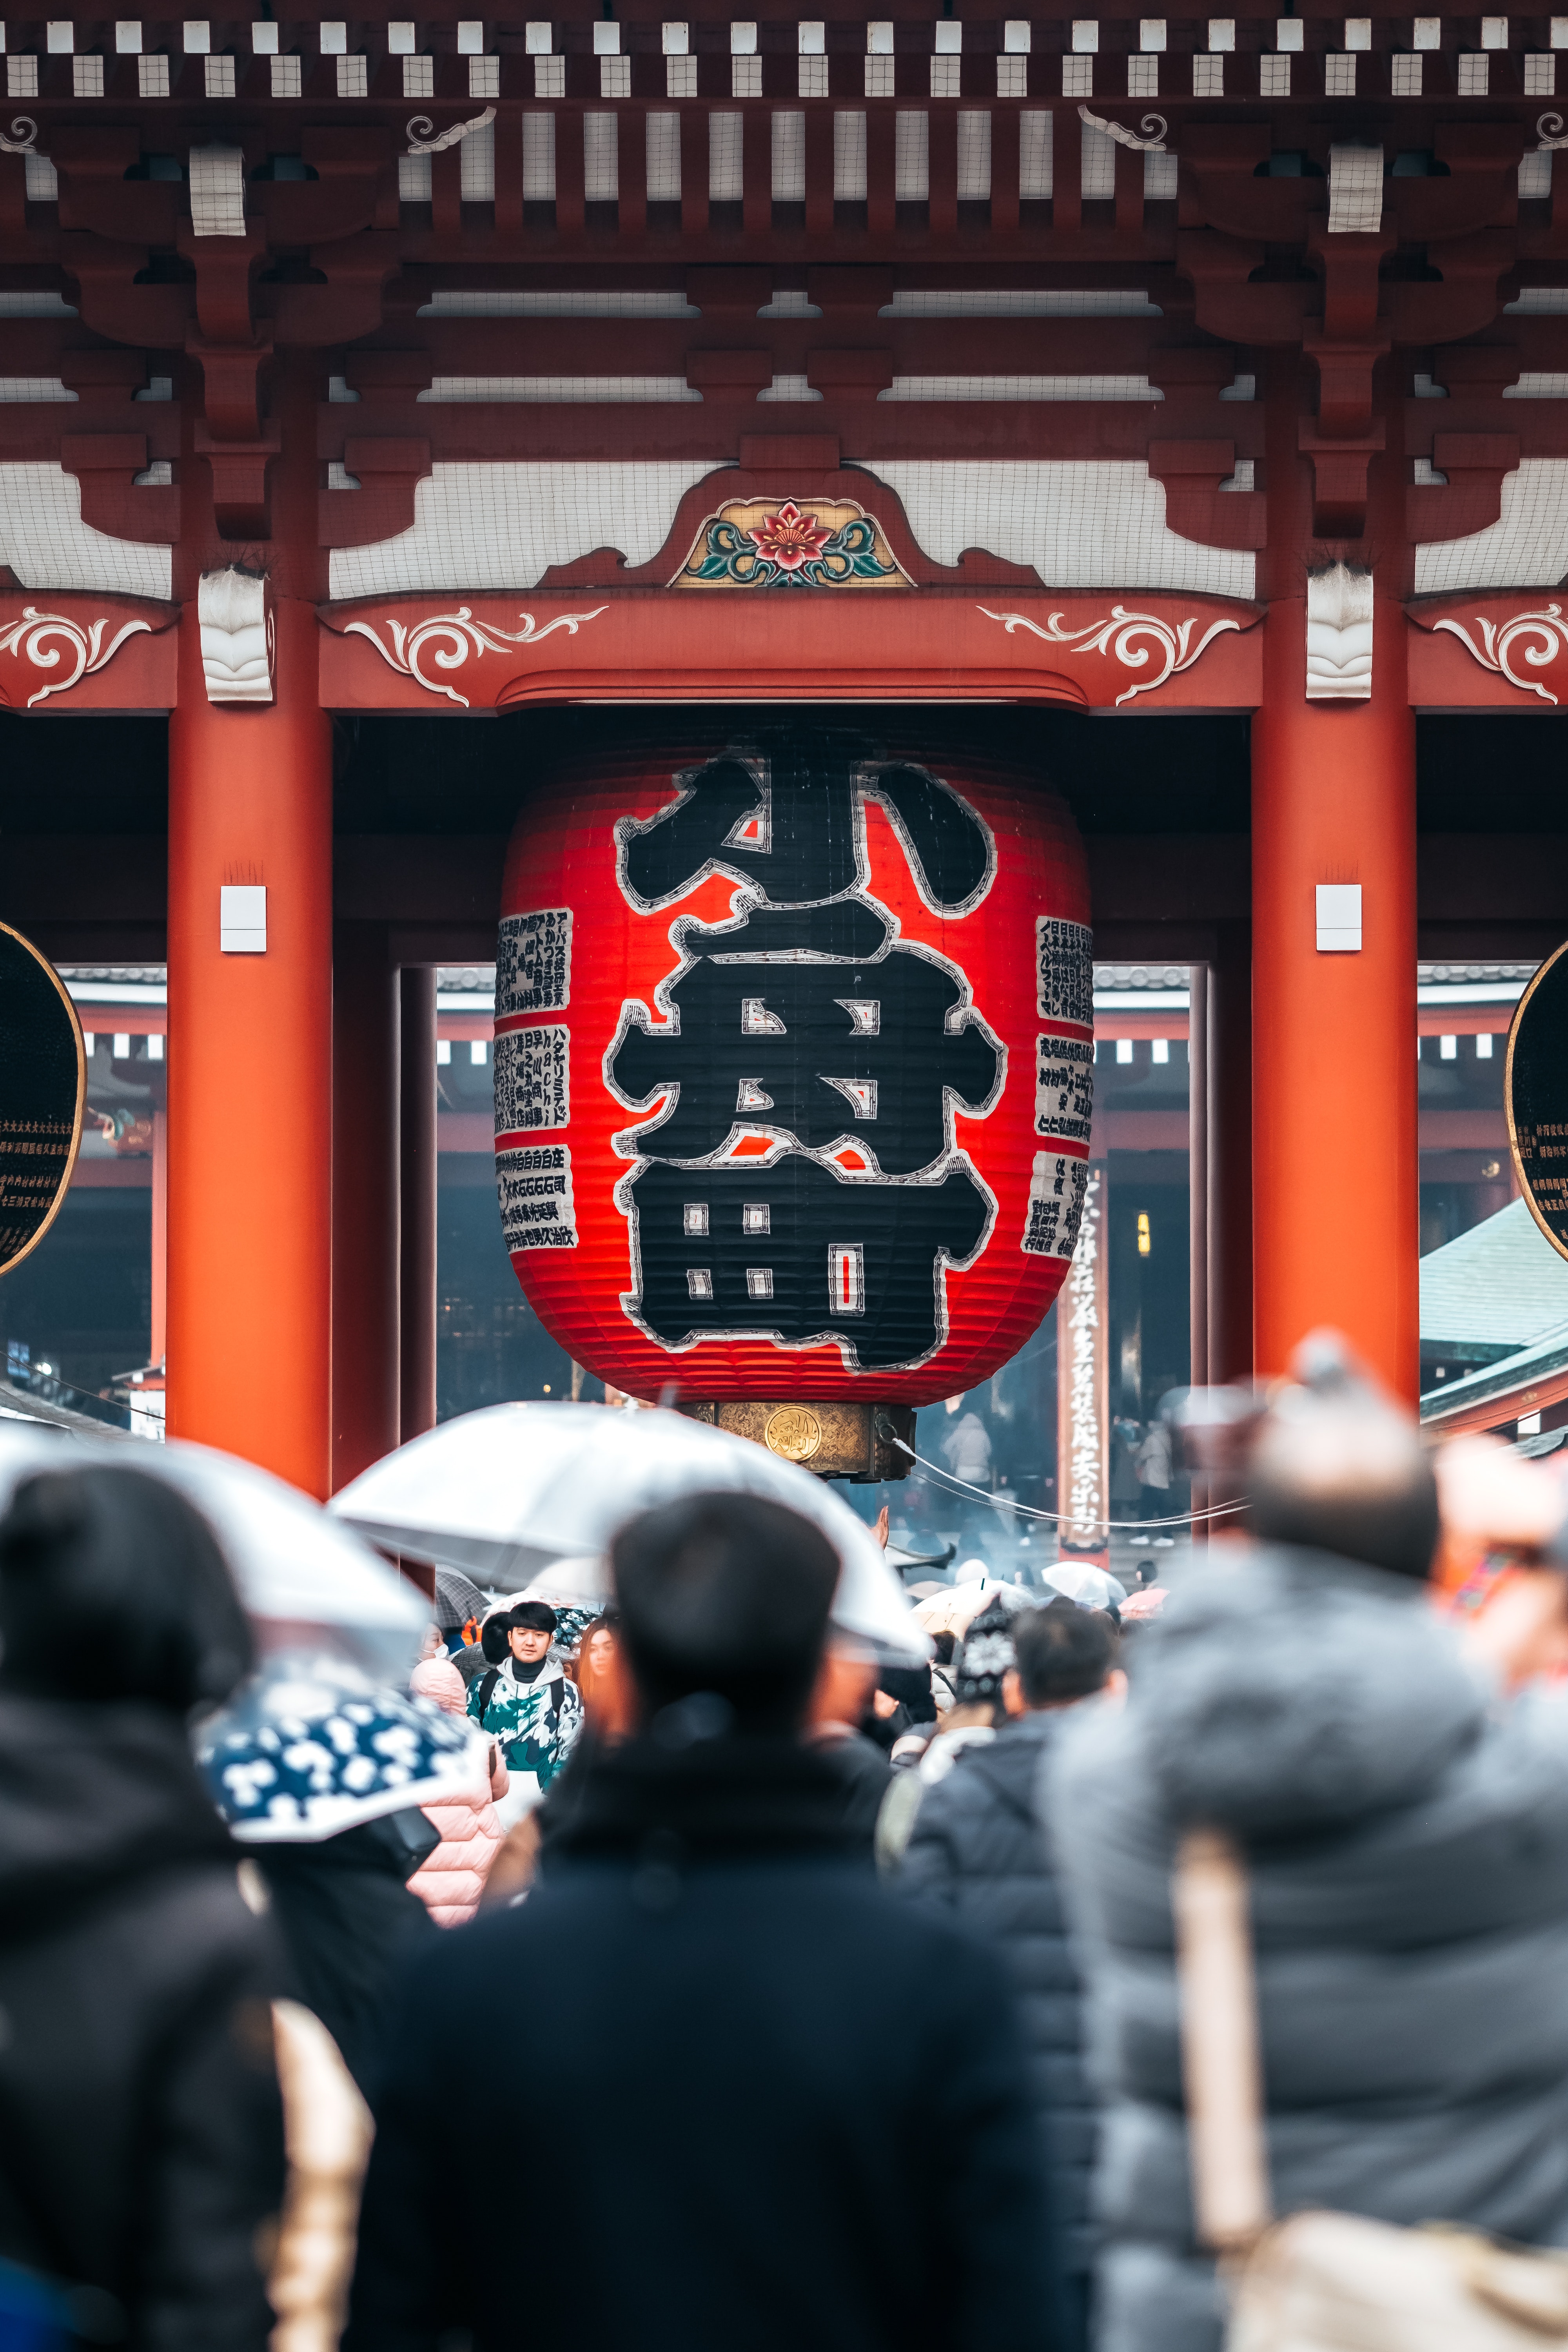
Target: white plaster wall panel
[(1001, 302), (601, 158), (46, 544), (1020, 387), (502, 526), (848, 158), (538, 159), (973, 156), (1095, 524), (464, 302), (663, 141), (477, 176), (574, 391), (726, 182), (789, 159), (1097, 167), (1527, 547), (911, 157), (1036, 144)]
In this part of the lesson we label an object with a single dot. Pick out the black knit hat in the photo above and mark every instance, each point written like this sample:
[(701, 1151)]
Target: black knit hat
[(987, 1655)]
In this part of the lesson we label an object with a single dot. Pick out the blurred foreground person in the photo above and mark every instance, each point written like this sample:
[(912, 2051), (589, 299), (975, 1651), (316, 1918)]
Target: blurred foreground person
[(451, 1882), (755, 2100), (140, 2127), (327, 2131), (835, 1717), (1405, 1841), (976, 1849), (324, 1777)]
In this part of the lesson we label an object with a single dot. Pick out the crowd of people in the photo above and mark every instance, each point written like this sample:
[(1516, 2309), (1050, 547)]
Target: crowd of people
[(741, 1985)]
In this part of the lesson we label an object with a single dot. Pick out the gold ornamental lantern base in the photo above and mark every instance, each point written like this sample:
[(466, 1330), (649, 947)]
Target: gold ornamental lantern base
[(862, 1443)]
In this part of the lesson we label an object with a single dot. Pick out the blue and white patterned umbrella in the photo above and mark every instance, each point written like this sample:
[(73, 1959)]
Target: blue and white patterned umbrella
[(309, 1747)]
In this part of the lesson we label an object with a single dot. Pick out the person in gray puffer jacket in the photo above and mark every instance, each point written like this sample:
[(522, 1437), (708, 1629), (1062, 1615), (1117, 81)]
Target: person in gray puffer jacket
[(976, 1850), (1405, 1831)]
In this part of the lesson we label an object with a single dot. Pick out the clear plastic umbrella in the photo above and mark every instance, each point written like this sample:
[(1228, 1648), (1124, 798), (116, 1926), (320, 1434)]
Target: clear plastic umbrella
[(306, 1581), (505, 1493)]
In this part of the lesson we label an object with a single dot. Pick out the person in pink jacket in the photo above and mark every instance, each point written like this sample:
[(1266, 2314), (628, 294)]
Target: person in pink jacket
[(451, 1883)]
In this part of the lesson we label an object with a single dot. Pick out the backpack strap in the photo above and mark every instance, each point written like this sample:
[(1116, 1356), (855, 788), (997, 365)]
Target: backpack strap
[(1221, 2061), (487, 1689)]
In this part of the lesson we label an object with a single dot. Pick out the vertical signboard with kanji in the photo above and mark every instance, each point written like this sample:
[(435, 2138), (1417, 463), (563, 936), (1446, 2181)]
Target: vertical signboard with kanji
[(794, 1066), (1083, 1386)]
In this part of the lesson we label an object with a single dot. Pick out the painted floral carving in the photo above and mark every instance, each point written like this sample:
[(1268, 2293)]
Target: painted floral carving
[(1537, 637), (768, 543), (452, 639), (1133, 637), (48, 640), (789, 537)]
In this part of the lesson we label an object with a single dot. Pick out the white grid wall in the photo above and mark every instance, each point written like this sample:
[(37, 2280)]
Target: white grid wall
[(786, 132), (1082, 525)]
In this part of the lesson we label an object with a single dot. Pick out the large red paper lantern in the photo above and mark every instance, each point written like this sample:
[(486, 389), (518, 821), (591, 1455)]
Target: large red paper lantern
[(794, 1066)]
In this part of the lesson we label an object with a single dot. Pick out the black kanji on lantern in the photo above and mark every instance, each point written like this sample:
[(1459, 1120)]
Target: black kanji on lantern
[(790, 822), (812, 1049), (802, 1028), (796, 1250)]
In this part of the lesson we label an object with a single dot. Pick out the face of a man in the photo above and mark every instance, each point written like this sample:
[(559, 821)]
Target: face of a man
[(529, 1643)]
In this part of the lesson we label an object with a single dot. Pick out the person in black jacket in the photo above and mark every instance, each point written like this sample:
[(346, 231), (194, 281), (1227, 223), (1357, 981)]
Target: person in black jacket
[(141, 2127), (977, 1849), (740, 2093)]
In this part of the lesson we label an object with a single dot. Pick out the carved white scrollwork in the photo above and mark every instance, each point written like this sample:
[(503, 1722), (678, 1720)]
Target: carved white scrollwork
[(1153, 127), (454, 638), (24, 137), (47, 640), (420, 126), (1550, 134), (1122, 635), (1339, 634), (237, 637), (1541, 636)]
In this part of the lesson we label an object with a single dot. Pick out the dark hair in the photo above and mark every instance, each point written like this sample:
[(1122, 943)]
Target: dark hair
[(604, 1622), (725, 1593), (113, 1587), (944, 1644), (910, 1685), (493, 1640), (1064, 1652)]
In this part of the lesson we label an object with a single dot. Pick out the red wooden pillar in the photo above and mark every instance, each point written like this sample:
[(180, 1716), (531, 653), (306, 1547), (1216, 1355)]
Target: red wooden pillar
[(417, 1283), (1335, 1232), (250, 1034), (366, 1156)]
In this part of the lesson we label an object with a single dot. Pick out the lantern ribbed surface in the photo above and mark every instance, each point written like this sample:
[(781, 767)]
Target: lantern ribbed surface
[(793, 1064)]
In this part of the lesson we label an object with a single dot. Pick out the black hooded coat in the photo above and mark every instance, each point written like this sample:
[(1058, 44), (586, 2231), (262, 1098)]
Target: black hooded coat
[(977, 1849), (140, 2126), (754, 2099)]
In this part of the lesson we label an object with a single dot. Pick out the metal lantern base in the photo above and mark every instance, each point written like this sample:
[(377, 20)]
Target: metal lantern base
[(858, 1442)]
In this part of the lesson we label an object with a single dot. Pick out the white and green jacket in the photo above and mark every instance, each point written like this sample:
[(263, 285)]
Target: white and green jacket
[(536, 1723)]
